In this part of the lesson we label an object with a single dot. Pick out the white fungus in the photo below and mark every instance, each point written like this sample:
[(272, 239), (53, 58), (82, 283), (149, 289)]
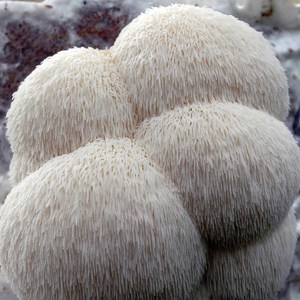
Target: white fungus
[(254, 272), (70, 99), (180, 54), (237, 168), (118, 218), (100, 223)]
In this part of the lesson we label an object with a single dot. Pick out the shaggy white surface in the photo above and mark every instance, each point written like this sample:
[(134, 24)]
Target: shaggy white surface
[(234, 166), (159, 79), (101, 213), (72, 98), (256, 271), (194, 54)]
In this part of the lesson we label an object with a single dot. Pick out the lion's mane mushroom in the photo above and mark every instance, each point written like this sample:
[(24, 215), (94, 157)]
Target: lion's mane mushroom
[(237, 168), (254, 272), (70, 99), (111, 219), (180, 54), (100, 223)]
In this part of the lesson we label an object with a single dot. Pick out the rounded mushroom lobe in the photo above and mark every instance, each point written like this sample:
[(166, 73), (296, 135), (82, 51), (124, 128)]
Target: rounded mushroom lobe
[(237, 168), (100, 223), (184, 53), (254, 272), (72, 98)]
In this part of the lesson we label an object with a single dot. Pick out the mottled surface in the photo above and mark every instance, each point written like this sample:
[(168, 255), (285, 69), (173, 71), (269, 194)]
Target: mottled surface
[(31, 32)]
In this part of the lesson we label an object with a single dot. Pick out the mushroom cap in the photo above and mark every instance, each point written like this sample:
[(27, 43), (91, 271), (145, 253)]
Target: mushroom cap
[(75, 93), (100, 223), (237, 168), (254, 272), (180, 54)]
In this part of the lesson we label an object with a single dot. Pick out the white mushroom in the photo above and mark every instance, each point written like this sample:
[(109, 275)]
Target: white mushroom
[(100, 223), (117, 218), (237, 168), (70, 99), (180, 54), (254, 272)]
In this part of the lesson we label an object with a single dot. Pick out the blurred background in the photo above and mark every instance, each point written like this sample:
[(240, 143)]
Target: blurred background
[(32, 30)]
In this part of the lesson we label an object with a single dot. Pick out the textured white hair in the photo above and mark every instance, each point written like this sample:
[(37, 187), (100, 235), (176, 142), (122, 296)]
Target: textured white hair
[(100, 223), (129, 215), (256, 271), (237, 168), (72, 98), (180, 54)]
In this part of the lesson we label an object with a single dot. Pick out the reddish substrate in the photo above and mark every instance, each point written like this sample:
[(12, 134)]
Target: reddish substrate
[(30, 39)]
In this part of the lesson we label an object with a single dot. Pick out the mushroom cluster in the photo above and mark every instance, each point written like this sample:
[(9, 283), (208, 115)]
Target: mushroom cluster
[(157, 169)]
